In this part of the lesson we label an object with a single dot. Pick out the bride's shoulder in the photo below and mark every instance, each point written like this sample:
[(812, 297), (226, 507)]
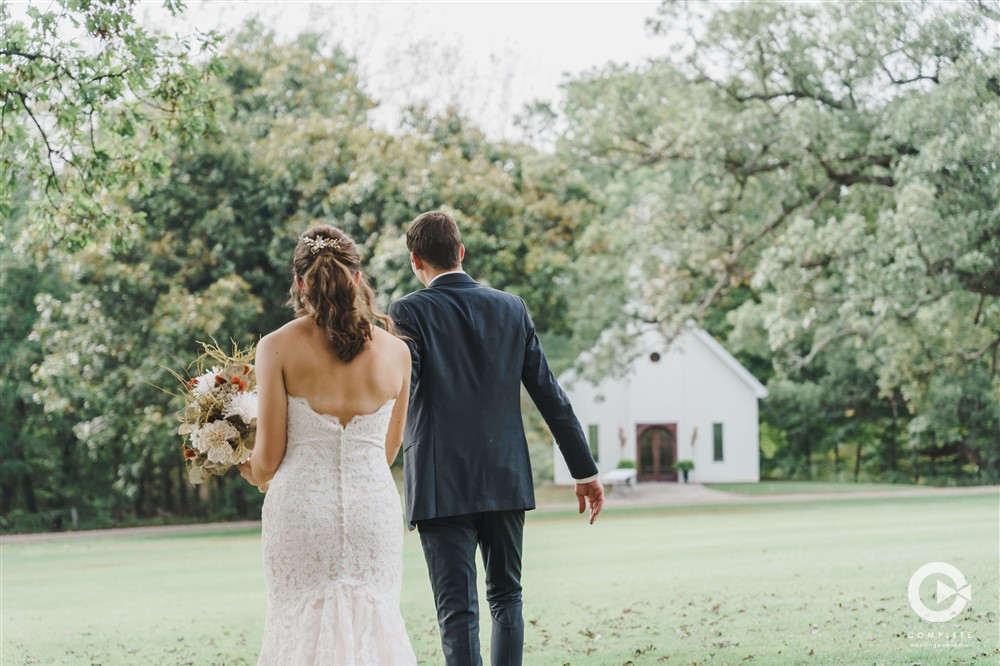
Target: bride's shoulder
[(291, 333), (390, 344)]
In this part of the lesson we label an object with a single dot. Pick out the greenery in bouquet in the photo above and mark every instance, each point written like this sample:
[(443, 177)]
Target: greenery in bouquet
[(219, 419)]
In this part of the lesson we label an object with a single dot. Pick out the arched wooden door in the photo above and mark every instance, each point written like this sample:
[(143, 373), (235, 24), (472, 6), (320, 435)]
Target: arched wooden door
[(657, 452)]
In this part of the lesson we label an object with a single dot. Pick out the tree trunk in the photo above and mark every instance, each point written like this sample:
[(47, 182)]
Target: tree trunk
[(166, 490), (139, 496), (893, 433), (857, 463), (179, 476), (241, 501), (28, 488), (69, 471), (807, 446), (7, 491), (933, 456)]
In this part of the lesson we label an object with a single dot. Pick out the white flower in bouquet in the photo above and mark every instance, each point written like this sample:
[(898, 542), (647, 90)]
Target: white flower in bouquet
[(204, 384), (213, 439), (243, 405)]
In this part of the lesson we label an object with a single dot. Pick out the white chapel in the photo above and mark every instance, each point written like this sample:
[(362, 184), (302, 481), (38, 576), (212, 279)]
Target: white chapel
[(689, 400)]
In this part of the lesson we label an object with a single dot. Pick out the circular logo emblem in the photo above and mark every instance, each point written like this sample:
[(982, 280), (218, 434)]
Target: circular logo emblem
[(949, 583)]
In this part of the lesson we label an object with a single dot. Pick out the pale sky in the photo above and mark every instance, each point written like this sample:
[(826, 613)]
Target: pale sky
[(490, 58)]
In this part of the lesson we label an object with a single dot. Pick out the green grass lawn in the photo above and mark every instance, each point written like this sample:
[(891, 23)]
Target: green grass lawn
[(816, 582)]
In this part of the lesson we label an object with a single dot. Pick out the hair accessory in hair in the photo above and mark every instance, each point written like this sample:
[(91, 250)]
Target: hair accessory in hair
[(317, 244)]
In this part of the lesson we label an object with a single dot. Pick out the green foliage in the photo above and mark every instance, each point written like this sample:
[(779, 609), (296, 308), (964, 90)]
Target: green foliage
[(93, 103), (823, 196), (212, 259), (819, 194)]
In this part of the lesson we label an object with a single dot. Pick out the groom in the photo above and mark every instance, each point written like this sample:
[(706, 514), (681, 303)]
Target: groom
[(465, 457)]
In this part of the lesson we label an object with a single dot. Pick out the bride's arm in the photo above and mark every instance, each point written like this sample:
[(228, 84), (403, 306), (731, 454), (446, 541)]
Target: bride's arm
[(394, 436), (272, 413)]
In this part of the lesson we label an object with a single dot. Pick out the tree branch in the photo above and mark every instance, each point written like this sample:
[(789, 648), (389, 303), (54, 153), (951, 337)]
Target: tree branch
[(53, 177), (979, 309), (799, 362), (902, 82), (42, 56), (986, 283), (854, 177), (794, 94), (965, 357), (991, 12), (721, 283), (802, 361), (788, 210)]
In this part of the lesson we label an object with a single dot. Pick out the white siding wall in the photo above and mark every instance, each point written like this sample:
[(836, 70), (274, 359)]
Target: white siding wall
[(715, 394), (657, 389), (689, 386), (606, 414)]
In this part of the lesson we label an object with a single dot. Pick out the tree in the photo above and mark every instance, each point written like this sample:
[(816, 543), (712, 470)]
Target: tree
[(830, 183), (28, 436), (92, 103)]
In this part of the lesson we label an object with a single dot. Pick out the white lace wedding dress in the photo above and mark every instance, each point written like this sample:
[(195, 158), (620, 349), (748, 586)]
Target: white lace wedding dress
[(332, 540)]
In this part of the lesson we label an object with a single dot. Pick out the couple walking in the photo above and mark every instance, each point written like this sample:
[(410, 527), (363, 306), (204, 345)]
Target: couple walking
[(339, 395)]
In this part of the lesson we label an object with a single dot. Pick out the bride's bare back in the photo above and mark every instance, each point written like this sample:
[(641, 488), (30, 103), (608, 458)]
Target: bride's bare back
[(313, 371), (298, 360)]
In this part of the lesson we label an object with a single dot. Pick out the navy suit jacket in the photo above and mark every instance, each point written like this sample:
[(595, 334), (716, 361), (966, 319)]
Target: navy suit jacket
[(464, 449)]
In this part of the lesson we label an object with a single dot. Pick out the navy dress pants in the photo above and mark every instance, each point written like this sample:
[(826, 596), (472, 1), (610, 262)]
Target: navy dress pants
[(450, 550)]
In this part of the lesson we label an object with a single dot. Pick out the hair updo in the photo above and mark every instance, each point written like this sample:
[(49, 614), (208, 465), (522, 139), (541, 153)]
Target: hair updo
[(326, 261)]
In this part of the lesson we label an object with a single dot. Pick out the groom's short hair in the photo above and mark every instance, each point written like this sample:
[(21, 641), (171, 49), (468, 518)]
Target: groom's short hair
[(434, 237)]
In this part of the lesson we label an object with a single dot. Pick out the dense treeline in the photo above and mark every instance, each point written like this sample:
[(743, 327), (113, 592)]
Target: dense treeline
[(90, 332), (825, 203)]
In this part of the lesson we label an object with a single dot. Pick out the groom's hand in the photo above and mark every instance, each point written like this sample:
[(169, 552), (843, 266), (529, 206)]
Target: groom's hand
[(593, 494)]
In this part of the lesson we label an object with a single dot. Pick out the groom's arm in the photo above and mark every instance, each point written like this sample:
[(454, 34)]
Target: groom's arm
[(406, 327), (555, 408), (557, 411)]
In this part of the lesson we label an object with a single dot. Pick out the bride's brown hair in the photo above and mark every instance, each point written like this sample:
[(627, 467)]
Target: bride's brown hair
[(326, 260)]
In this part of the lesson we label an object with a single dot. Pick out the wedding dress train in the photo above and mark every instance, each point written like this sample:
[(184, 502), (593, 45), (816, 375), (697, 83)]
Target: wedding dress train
[(332, 539)]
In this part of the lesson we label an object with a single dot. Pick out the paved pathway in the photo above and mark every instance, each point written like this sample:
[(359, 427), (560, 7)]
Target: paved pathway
[(695, 493), (130, 531), (644, 494)]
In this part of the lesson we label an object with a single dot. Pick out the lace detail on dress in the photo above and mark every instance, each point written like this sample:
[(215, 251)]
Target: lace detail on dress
[(332, 539)]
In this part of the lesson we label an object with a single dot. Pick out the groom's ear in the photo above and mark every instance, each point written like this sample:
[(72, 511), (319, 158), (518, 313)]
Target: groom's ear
[(417, 262), (461, 253)]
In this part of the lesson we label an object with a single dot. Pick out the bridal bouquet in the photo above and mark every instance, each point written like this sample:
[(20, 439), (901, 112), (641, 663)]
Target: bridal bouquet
[(219, 421)]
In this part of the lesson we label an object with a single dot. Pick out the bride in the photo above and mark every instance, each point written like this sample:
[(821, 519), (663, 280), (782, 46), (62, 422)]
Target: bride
[(333, 390)]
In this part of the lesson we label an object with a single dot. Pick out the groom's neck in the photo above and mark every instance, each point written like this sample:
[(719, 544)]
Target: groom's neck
[(431, 273)]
